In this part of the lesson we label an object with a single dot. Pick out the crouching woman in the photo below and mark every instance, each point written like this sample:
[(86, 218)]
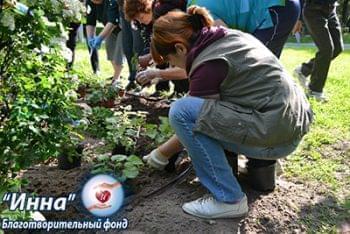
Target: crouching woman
[(241, 99)]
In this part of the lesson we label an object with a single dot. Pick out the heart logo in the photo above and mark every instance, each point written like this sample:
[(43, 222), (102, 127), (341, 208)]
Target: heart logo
[(103, 196)]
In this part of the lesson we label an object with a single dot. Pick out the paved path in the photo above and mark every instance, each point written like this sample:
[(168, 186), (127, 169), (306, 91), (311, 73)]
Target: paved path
[(297, 45)]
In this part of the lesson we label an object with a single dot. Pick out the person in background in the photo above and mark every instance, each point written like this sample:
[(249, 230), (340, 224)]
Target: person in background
[(93, 54), (145, 12), (322, 22), (72, 41), (269, 21), (133, 45), (241, 99), (107, 12)]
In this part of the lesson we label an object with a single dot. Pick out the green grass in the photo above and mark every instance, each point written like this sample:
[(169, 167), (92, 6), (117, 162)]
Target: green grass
[(317, 160)]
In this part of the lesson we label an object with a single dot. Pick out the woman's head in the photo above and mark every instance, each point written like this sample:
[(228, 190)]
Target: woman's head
[(139, 10), (175, 32)]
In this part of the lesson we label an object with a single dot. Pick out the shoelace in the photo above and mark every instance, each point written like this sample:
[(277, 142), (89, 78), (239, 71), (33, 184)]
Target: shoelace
[(205, 199)]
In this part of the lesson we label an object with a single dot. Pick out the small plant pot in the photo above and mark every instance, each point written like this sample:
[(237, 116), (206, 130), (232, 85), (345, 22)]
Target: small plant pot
[(171, 165), (67, 162), (232, 159), (120, 149), (82, 90), (121, 92), (107, 103), (261, 174)]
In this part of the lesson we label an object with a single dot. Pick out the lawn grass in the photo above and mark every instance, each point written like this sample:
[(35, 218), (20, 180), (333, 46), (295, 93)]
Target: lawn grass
[(322, 157)]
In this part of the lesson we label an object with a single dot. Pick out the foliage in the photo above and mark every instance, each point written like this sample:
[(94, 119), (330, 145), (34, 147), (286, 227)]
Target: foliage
[(36, 94), (124, 128), (97, 121), (103, 93), (159, 133), (122, 166)]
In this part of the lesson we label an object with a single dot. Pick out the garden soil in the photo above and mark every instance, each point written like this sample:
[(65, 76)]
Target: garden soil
[(279, 211)]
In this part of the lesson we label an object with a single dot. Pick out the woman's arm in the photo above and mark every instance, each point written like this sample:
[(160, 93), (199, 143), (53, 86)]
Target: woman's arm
[(173, 73)]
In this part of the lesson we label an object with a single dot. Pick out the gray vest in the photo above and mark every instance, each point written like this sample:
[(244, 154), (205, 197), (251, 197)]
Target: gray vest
[(259, 104)]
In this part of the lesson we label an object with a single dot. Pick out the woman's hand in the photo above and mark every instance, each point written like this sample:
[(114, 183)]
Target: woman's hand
[(99, 206), (108, 186), (145, 77)]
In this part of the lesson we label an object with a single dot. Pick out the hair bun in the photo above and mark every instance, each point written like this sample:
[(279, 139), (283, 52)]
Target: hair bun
[(196, 21)]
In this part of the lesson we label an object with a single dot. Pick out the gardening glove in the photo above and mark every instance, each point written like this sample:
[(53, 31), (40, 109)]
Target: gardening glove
[(145, 77), (156, 160), (90, 42), (97, 42)]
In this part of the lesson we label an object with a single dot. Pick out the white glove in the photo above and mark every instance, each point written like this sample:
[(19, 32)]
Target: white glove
[(156, 160), (147, 76)]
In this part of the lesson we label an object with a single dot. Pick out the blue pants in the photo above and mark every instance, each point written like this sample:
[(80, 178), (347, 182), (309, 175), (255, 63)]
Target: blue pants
[(207, 154), (284, 19)]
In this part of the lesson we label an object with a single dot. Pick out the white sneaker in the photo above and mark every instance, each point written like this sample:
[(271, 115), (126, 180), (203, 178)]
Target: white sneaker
[(209, 208), (301, 77), (318, 96)]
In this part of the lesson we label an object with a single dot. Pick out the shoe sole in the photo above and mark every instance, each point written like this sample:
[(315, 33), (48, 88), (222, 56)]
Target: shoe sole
[(220, 216)]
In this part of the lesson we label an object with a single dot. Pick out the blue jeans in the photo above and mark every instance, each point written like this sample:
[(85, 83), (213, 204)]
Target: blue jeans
[(207, 154)]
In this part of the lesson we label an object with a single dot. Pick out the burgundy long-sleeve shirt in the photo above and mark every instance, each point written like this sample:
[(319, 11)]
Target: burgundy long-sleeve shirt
[(207, 77)]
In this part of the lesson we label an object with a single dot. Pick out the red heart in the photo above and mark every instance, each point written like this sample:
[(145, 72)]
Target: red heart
[(103, 196)]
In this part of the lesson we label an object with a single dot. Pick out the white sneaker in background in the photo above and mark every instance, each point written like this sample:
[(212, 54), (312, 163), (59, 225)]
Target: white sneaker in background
[(301, 77), (319, 96), (208, 207)]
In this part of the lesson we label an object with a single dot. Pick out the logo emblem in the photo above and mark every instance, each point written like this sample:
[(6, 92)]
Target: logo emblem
[(102, 195)]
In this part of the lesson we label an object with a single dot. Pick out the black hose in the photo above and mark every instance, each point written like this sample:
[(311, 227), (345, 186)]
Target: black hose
[(174, 181)]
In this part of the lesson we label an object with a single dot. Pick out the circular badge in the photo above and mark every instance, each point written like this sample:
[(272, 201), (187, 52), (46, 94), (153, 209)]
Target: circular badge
[(102, 195)]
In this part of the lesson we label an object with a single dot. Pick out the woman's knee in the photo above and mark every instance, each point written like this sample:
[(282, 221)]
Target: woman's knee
[(338, 49), (184, 109)]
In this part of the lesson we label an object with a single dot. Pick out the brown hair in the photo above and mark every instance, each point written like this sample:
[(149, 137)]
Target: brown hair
[(177, 27), (134, 7)]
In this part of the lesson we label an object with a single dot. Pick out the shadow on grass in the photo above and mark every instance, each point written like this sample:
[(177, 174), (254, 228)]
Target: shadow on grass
[(327, 215)]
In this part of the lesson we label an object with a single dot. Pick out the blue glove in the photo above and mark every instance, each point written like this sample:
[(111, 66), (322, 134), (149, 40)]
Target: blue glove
[(97, 42), (91, 41)]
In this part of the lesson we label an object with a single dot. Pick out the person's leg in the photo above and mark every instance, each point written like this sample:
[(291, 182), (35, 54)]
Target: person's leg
[(127, 37), (94, 59), (262, 153), (72, 41), (315, 17), (115, 53), (336, 34), (284, 19), (208, 157)]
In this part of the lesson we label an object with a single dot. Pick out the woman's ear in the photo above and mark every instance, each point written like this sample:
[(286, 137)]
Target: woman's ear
[(181, 49)]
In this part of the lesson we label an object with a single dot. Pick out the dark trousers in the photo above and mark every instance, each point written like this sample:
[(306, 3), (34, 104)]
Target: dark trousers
[(72, 41), (284, 19), (132, 45), (94, 60), (324, 27)]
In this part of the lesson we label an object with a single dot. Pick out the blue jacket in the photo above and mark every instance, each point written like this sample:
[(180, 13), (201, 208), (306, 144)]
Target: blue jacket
[(245, 15)]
